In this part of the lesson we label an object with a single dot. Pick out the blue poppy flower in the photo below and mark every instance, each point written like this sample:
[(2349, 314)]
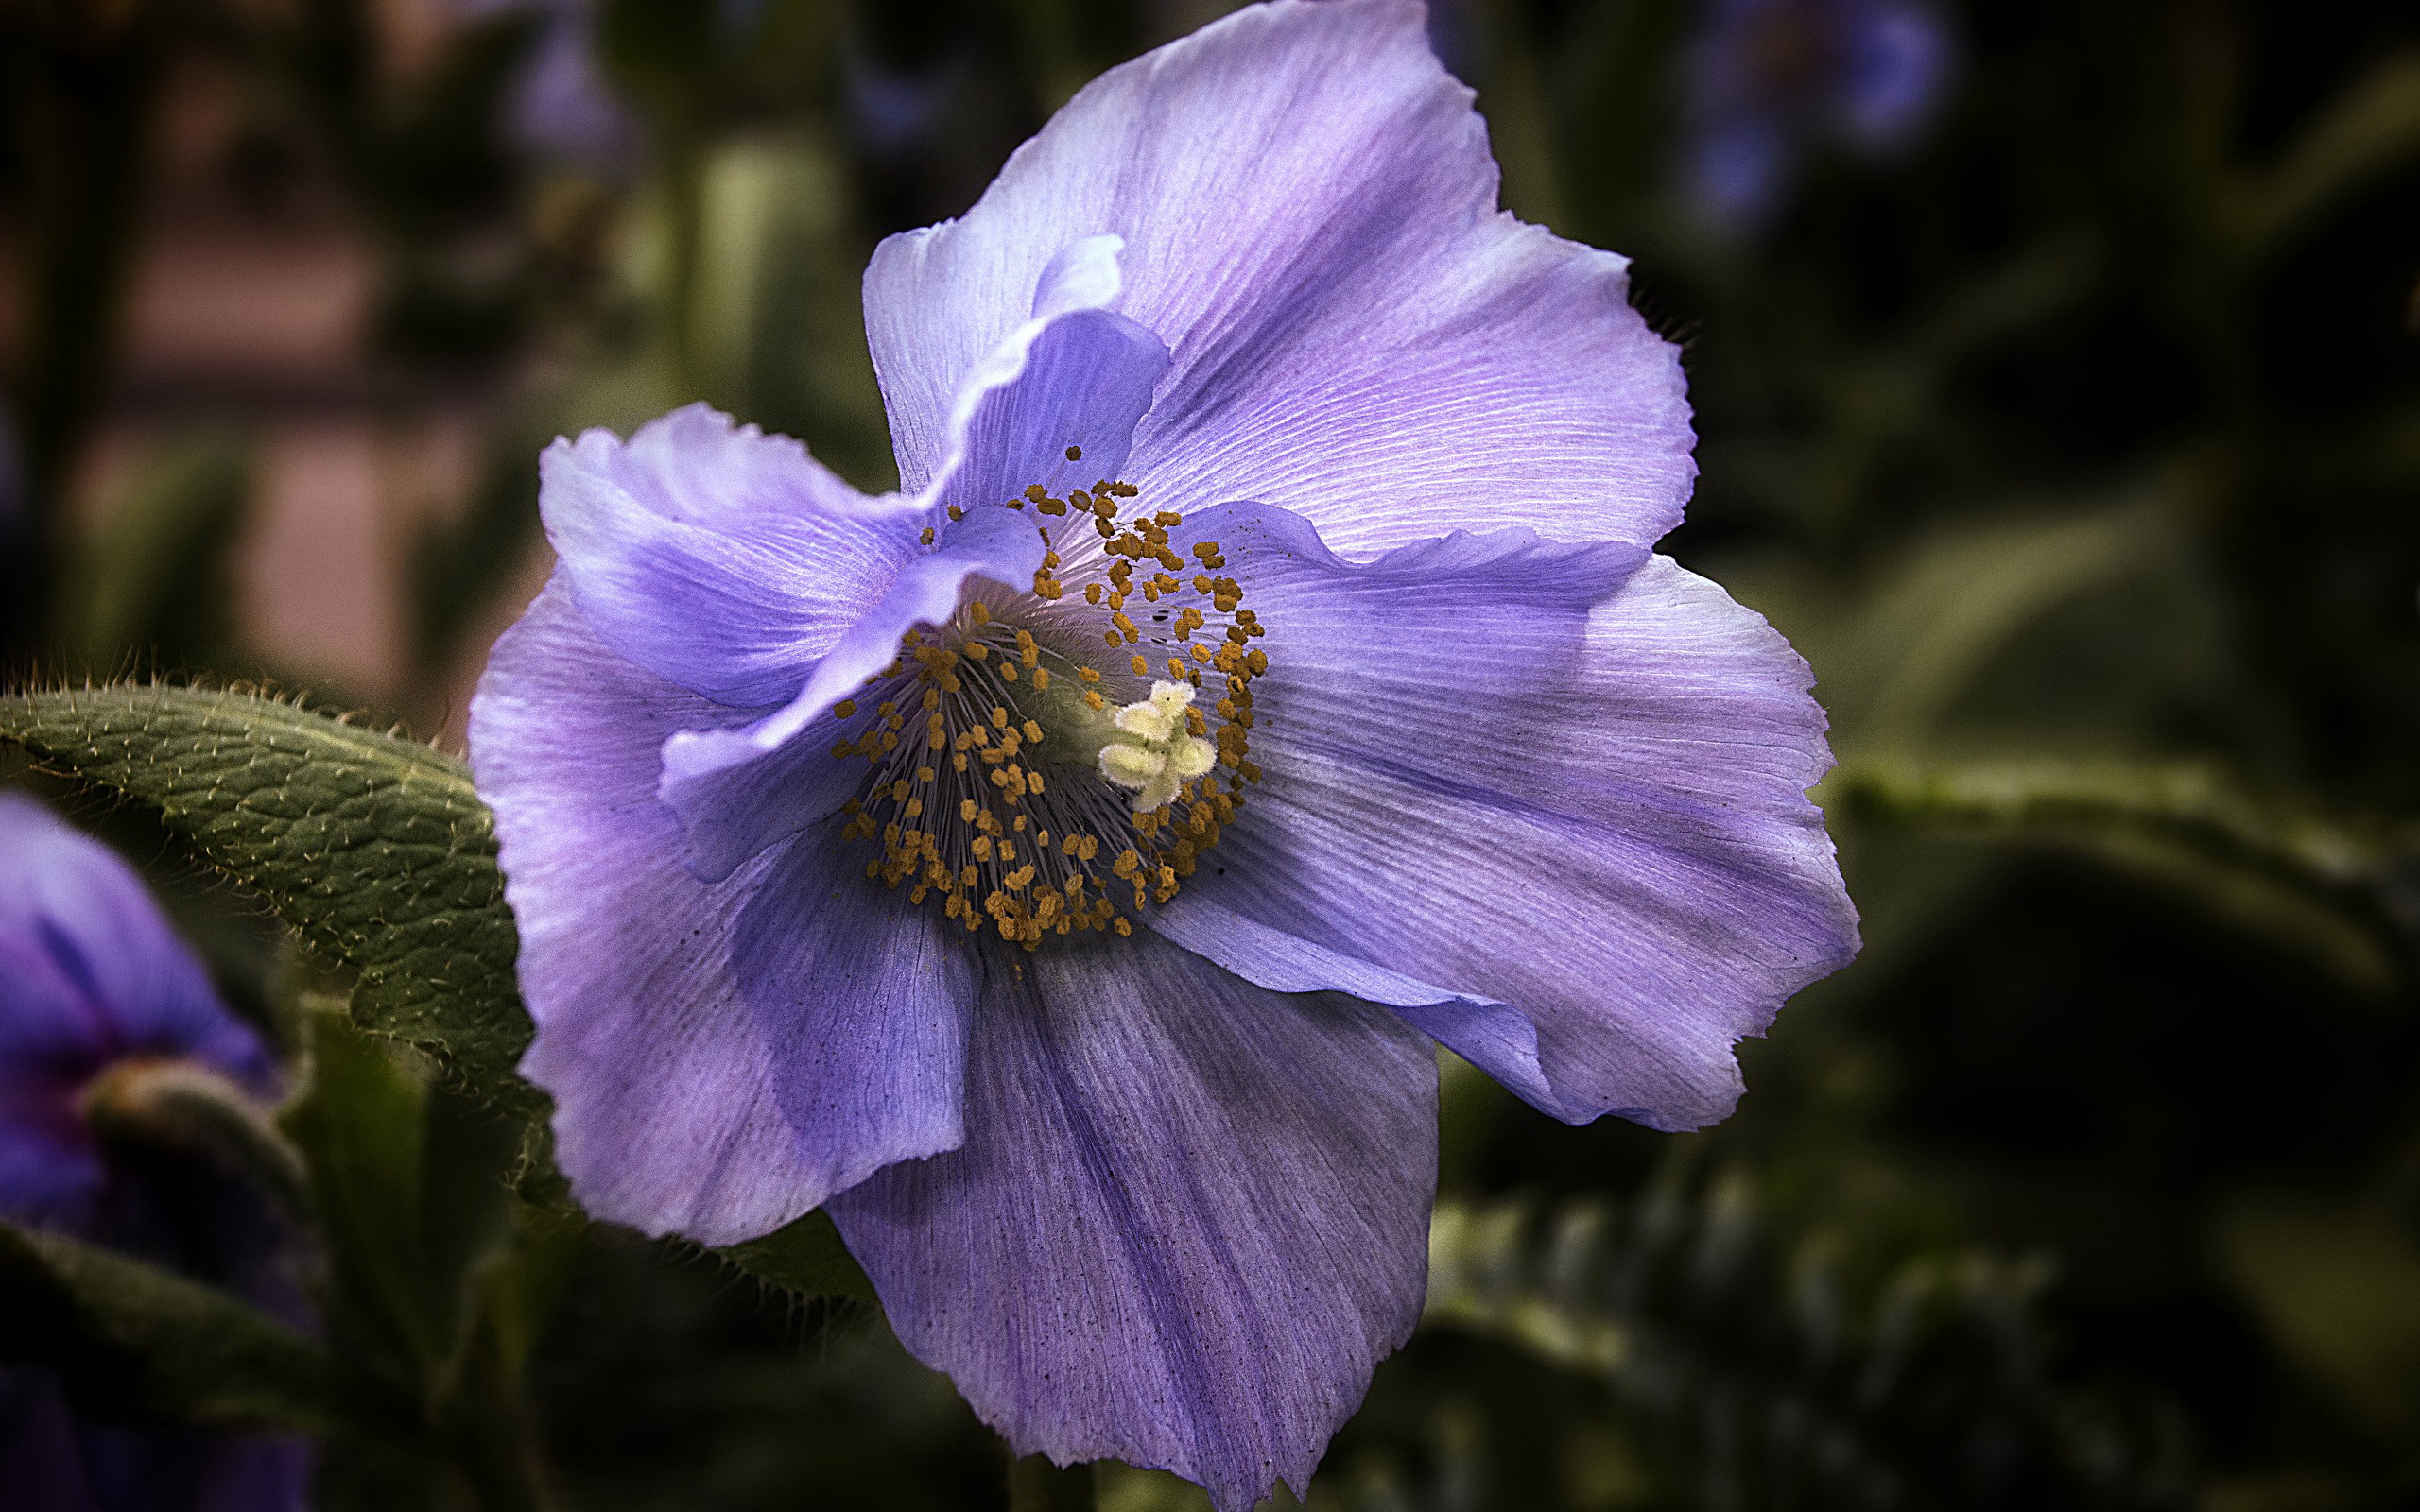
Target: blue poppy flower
[(1768, 78), (95, 986), (1062, 871)]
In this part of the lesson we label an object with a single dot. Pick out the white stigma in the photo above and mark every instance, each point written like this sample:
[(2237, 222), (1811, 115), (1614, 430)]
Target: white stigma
[(1154, 751)]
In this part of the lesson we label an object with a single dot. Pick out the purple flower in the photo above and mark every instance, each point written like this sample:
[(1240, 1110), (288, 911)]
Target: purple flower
[(1768, 77), (1261, 477), (97, 982), (94, 987)]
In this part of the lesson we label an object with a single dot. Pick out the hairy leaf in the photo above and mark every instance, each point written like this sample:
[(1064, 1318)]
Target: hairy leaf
[(374, 849), (805, 1256), (407, 1182)]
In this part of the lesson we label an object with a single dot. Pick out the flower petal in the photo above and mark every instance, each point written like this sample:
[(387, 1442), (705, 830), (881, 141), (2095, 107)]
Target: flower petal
[(1075, 376), (51, 1172), (684, 1103), (1550, 806), (867, 997), (95, 963), (1308, 208), (718, 558), (731, 784), (1189, 1217), (51, 1460), (53, 1039)]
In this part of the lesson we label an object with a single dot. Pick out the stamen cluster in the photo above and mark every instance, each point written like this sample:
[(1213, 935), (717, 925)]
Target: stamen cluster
[(1023, 783)]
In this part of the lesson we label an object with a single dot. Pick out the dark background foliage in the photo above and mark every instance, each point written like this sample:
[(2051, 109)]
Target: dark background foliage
[(2074, 436)]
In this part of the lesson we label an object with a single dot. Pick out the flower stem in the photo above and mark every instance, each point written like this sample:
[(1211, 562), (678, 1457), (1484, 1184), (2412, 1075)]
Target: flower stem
[(1035, 1484)]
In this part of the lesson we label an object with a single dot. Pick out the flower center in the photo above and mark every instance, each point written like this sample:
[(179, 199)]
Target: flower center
[(1056, 759)]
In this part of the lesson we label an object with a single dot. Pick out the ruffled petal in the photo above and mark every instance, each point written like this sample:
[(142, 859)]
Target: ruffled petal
[(742, 787), (1072, 377), (1549, 804), (685, 1102), (1189, 1217), (1308, 208), (718, 558)]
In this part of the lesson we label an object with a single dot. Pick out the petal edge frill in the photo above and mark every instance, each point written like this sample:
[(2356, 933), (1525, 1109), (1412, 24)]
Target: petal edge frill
[(1308, 209), (720, 558), (682, 1104), (1072, 377), (1566, 834), (1189, 1217)]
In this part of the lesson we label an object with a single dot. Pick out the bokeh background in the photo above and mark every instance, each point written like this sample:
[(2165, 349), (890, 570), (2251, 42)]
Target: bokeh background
[(2054, 368)]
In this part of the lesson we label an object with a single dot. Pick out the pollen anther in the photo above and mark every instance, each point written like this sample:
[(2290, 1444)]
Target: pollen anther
[(1043, 745)]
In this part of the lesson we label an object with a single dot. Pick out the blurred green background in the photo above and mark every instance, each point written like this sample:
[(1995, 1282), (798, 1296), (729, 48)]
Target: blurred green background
[(2072, 433)]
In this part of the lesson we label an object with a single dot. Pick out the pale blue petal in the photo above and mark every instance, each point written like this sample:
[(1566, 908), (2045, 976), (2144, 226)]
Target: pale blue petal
[(1309, 212), (1189, 1217), (1072, 376), (1547, 801), (718, 558), (722, 1056)]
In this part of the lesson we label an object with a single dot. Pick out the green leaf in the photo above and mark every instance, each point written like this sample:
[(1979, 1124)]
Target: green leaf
[(133, 1339), (433, 1279), (522, 1285), (806, 1256), (2307, 882), (1931, 627), (2184, 803), (374, 849), (408, 1184)]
